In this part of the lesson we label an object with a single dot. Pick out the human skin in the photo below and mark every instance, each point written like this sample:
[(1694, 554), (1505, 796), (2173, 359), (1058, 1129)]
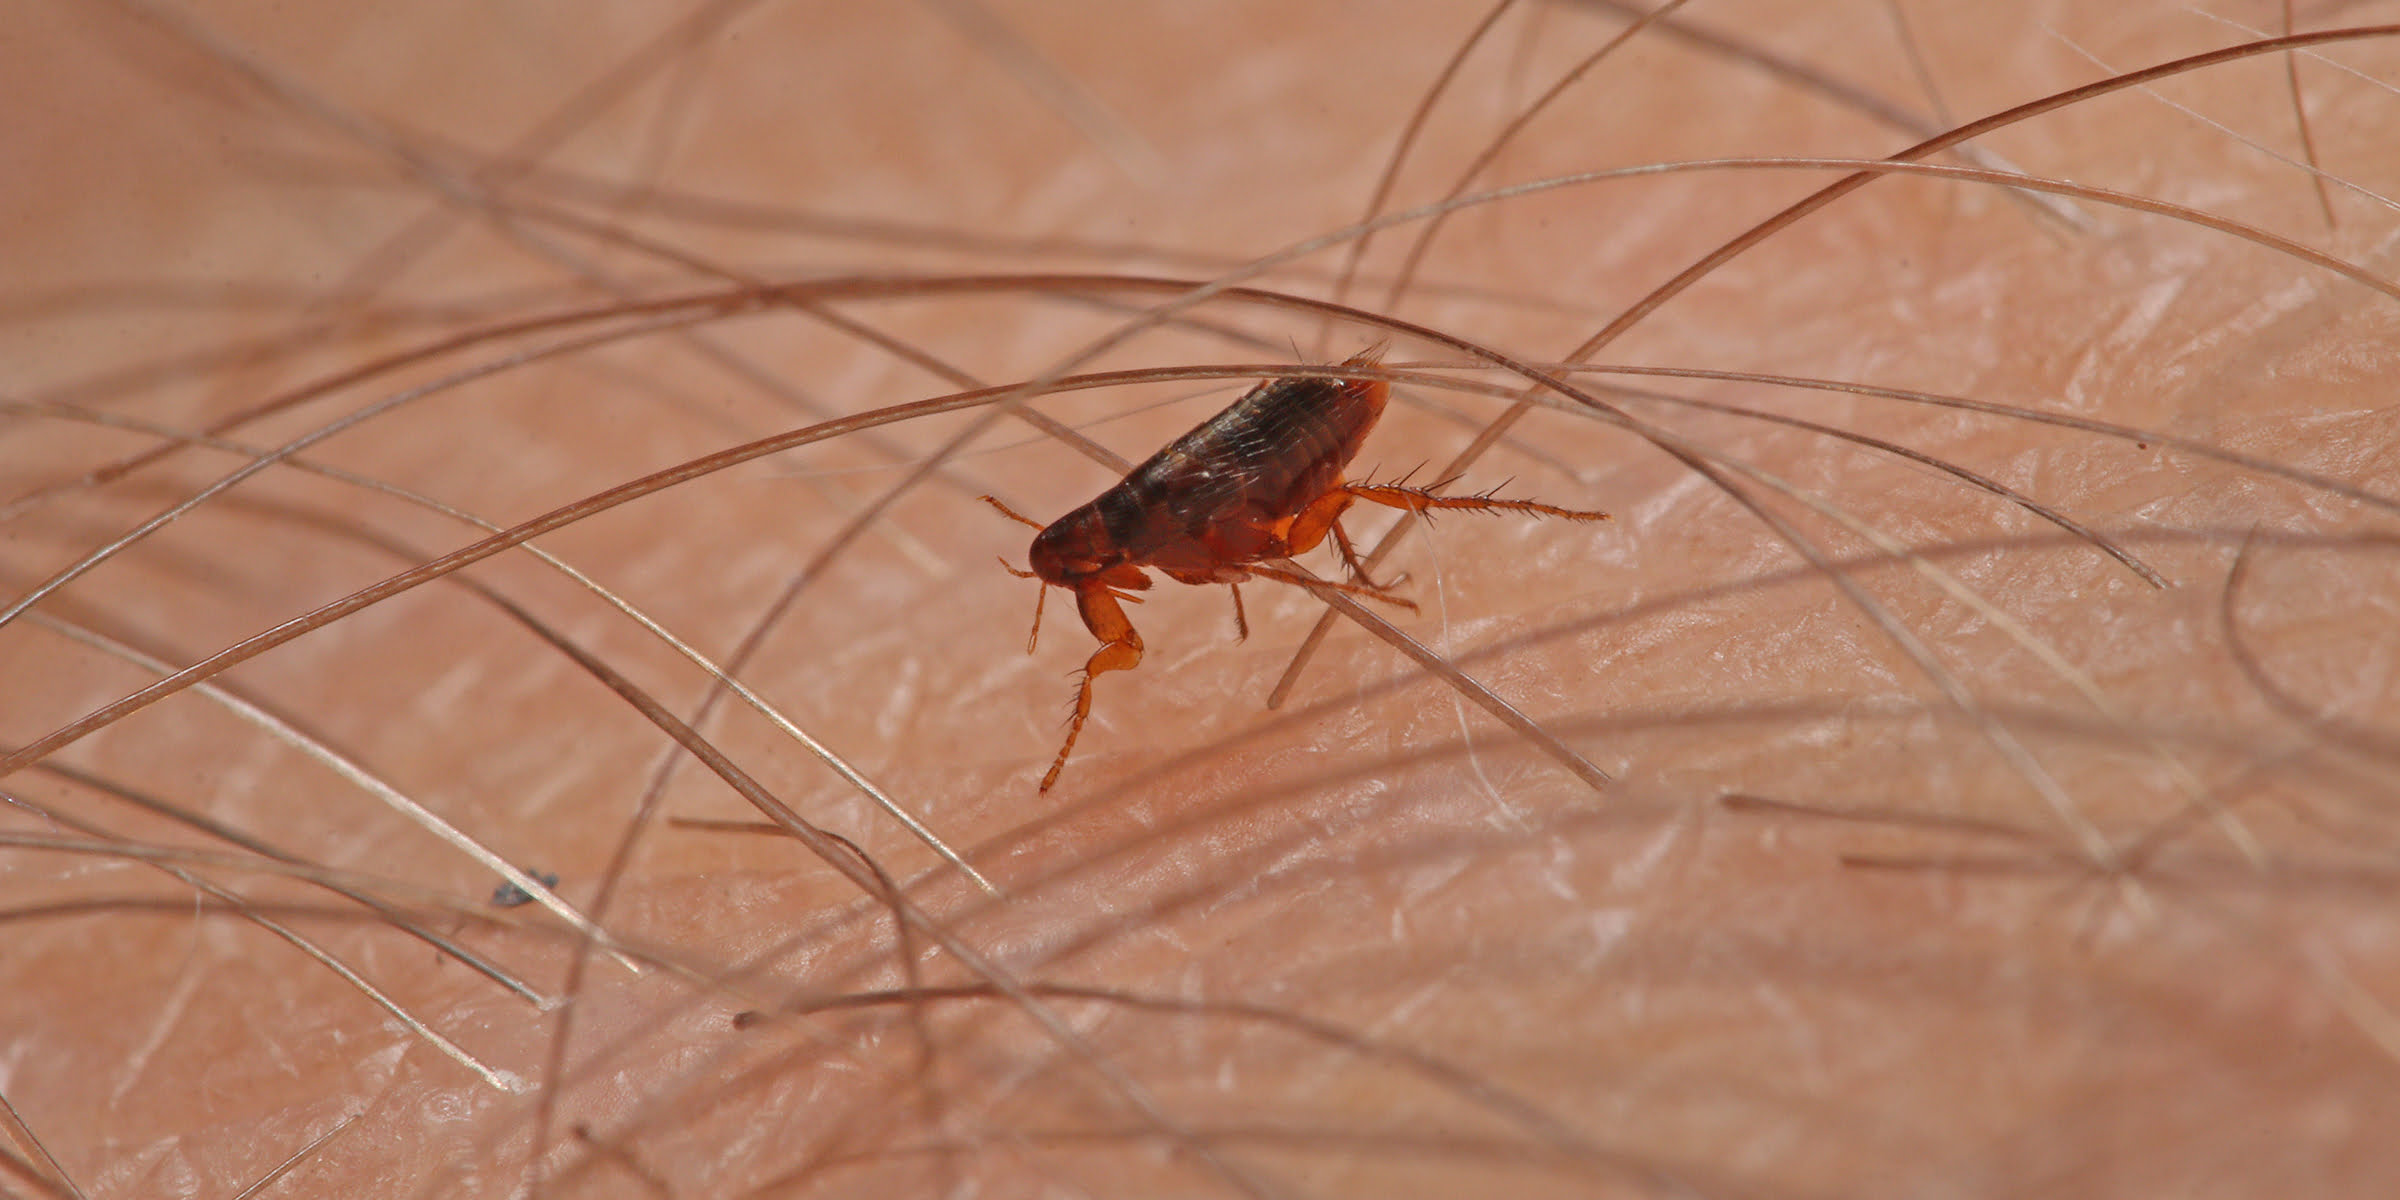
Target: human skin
[(1980, 866)]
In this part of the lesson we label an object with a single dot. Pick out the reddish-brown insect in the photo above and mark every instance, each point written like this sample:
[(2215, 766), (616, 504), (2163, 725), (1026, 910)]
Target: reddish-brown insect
[(1258, 482)]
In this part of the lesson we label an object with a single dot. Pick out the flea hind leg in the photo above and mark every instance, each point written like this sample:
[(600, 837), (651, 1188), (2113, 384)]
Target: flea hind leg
[(1312, 583), (1324, 515), (1120, 650), (1357, 569), (1421, 500), (1310, 524)]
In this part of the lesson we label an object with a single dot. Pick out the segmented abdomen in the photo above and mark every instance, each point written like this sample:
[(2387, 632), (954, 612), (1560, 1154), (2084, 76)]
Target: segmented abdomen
[(1261, 460)]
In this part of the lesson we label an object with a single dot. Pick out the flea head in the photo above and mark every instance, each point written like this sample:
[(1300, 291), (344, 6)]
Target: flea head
[(1077, 547)]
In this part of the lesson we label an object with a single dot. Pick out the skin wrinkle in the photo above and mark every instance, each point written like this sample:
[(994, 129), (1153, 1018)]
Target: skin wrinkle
[(1815, 939)]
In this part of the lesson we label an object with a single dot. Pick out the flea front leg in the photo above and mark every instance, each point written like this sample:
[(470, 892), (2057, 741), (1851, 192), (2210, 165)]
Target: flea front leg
[(1120, 650)]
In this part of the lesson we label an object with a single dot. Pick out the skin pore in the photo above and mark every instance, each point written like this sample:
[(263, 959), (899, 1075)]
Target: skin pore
[(1940, 851)]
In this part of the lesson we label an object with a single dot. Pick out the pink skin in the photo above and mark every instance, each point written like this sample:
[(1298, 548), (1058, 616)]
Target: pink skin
[(1724, 992)]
